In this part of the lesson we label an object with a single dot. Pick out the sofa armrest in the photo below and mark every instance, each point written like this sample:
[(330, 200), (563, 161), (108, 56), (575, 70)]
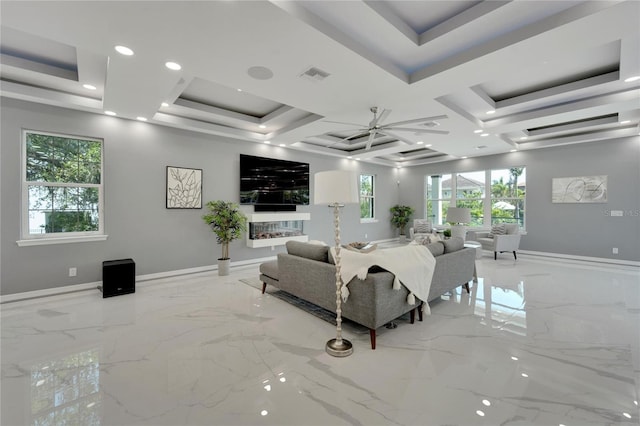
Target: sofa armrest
[(474, 235)]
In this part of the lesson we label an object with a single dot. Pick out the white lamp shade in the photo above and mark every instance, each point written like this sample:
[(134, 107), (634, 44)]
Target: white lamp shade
[(335, 186), (459, 215)]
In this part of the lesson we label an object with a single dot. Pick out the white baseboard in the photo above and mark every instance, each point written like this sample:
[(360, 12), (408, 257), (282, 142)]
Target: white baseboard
[(579, 258), (139, 279)]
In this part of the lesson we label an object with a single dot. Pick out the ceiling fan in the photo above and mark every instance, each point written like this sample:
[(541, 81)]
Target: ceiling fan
[(376, 127)]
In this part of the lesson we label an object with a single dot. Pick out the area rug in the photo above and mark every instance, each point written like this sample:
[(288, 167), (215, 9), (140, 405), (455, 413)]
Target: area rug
[(314, 310)]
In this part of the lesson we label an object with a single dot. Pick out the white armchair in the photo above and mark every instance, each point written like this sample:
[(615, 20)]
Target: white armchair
[(496, 241), (421, 227)]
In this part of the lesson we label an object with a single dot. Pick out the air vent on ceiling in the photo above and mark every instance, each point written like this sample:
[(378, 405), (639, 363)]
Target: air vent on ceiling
[(314, 74)]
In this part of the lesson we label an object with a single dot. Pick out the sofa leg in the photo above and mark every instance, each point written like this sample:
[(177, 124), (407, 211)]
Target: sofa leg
[(412, 314), (495, 255), (264, 287), (514, 256), (466, 285), (420, 311), (372, 334)]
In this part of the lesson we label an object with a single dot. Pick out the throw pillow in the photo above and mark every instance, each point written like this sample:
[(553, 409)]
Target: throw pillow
[(498, 229), (453, 244), (367, 248), (422, 226)]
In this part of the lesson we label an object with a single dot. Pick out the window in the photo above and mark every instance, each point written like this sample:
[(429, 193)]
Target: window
[(438, 198), (508, 191), (494, 196), (470, 193), (367, 197), (62, 186)]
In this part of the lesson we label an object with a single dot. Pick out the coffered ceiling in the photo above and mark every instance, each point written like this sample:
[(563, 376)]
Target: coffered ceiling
[(457, 78)]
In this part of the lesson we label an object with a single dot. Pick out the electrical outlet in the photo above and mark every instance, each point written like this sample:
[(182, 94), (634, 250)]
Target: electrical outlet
[(73, 272), (615, 250), (365, 236)]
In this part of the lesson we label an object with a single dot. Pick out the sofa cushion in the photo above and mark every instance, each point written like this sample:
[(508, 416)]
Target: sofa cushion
[(512, 228), (452, 244), (310, 251), (436, 248)]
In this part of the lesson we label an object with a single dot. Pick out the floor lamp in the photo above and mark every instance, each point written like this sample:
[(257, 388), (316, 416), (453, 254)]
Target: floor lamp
[(336, 188), (458, 217)]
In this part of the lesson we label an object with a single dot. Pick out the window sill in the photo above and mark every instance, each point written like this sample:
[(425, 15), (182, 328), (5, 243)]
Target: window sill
[(368, 220), (60, 240)]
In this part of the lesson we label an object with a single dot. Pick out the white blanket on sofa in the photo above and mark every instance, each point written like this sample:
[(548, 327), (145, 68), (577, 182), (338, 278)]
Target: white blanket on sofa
[(412, 265)]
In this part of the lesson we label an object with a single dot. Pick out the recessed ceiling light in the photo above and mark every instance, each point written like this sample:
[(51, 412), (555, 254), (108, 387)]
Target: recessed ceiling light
[(111, 113), (262, 126), (524, 138), (267, 142), (524, 375), (625, 122), (89, 86), (480, 413), (124, 50), (627, 415), (173, 66), (428, 145), (491, 111), (282, 144), (484, 134), (419, 142), (141, 118), (349, 157), (260, 73), (464, 156), (515, 358), (633, 78), (164, 104), (486, 402), (239, 90), (357, 158), (513, 150), (477, 131)]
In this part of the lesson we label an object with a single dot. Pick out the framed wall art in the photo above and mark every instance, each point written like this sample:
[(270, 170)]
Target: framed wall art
[(580, 189), (184, 188)]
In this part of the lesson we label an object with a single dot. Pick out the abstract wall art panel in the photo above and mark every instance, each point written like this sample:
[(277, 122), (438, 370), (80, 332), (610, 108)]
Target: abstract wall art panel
[(184, 188), (580, 189)]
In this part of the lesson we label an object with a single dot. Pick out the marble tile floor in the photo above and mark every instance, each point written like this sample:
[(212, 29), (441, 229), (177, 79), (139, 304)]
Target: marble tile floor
[(537, 342)]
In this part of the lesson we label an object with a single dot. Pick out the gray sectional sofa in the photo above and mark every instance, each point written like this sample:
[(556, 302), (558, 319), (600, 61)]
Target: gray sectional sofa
[(307, 271)]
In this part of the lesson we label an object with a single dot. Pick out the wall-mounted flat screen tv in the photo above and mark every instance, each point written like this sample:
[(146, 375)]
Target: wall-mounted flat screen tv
[(272, 181)]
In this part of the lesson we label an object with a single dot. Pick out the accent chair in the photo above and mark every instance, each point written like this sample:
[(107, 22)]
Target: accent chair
[(503, 237)]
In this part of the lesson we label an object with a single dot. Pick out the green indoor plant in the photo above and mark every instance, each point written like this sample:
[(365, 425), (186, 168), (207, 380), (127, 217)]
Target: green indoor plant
[(228, 223), (400, 216)]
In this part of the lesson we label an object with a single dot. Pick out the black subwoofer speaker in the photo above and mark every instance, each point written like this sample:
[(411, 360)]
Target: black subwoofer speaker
[(118, 277)]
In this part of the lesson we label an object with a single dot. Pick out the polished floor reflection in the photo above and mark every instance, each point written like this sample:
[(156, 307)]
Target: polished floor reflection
[(535, 343)]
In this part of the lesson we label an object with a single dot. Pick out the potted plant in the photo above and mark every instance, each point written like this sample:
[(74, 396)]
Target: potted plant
[(400, 216), (228, 223)]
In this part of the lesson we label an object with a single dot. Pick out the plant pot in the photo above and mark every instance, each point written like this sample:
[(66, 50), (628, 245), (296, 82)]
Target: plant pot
[(403, 238), (224, 266)]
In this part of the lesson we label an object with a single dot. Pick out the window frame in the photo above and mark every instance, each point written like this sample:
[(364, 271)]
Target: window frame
[(371, 198), (27, 238)]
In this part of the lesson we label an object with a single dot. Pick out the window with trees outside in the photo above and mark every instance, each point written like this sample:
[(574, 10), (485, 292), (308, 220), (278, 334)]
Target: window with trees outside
[(367, 197), (494, 196), (62, 186)]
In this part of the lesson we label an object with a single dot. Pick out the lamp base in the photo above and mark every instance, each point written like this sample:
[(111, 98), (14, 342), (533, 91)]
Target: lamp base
[(333, 348)]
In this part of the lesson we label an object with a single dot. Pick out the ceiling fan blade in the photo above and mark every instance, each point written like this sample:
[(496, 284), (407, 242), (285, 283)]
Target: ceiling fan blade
[(372, 135), (396, 136), (419, 120), (348, 137), (342, 122), (407, 129)]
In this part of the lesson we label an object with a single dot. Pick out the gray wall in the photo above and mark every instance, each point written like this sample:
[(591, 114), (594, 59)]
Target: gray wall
[(136, 220), (573, 229)]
